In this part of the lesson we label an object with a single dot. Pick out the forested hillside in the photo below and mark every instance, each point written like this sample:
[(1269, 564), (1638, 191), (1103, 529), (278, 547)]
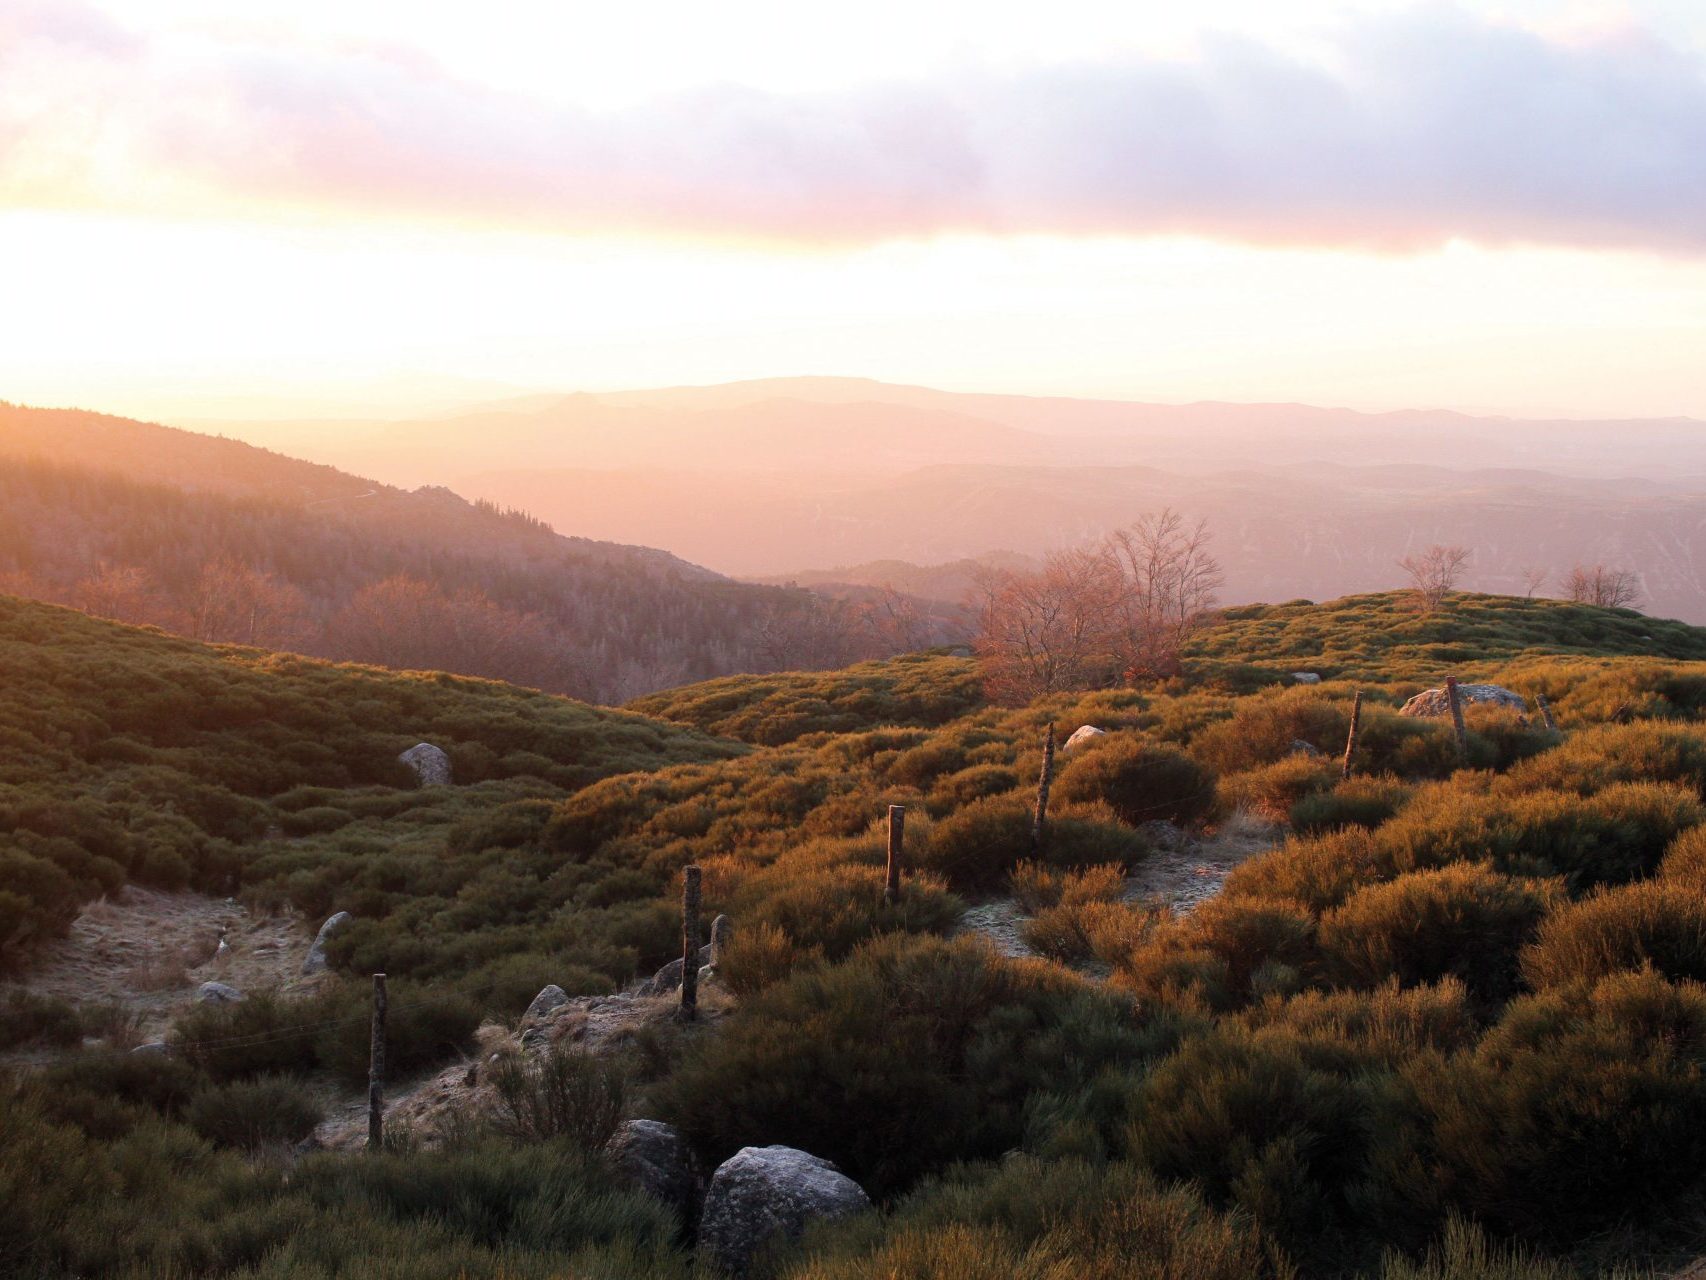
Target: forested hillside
[(225, 542), (1441, 1019)]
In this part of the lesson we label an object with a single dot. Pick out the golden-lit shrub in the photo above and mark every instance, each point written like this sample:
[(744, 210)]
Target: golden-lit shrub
[(1657, 923), (1274, 791), (1140, 781), (1463, 921), (1354, 802)]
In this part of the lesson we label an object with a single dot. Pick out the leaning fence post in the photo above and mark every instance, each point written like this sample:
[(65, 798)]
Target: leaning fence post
[(1351, 737), (1546, 712), (1040, 817), (689, 943), (897, 837), (1456, 703), (376, 1070)]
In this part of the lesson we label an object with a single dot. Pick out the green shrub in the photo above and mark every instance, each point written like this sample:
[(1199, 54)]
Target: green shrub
[(253, 1113), (1658, 923), (423, 1026), (1274, 791), (261, 1034), (975, 783), (1031, 1218), (1355, 802), (1140, 781), (911, 1054), (30, 1019), (559, 1094), (1388, 1023), (1464, 922), (1574, 1113)]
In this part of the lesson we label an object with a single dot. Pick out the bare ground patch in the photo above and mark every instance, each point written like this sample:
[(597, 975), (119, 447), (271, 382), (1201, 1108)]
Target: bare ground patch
[(148, 951)]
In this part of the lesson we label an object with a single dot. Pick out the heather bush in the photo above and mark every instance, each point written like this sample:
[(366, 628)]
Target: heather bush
[(560, 1093), (1274, 791), (1463, 921), (1657, 923), (1388, 1023), (1139, 780), (253, 1113), (1354, 802)]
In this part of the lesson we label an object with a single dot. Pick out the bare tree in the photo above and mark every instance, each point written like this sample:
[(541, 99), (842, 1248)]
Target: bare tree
[(1434, 573), (1168, 585), (1534, 580), (1049, 630), (1597, 584)]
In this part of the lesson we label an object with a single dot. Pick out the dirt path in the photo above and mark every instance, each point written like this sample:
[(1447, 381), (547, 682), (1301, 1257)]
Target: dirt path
[(149, 951), (1181, 873)]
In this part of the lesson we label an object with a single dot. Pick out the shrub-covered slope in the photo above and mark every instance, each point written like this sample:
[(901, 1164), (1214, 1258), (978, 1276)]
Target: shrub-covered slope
[(1454, 1019), (922, 690), (1386, 638), (133, 755)]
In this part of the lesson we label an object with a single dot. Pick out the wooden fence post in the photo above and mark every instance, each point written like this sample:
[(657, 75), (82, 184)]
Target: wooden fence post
[(689, 943), (1040, 818), (1351, 737), (1546, 712), (1456, 703), (376, 1070), (897, 838)]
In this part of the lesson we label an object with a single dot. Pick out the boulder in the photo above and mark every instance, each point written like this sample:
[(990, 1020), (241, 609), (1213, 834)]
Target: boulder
[(316, 960), (1433, 702), (217, 993), (1306, 677), (657, 1159), (431, 766), (1081, 735), (551, 997), (1301, 748), (668, 978), (721, 931), (763, 1192)]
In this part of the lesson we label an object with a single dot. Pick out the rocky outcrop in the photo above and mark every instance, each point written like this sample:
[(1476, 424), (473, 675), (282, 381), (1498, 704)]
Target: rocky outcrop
[(760, 1193), (1301, 748), (657, 1159), (1081, 735), (217, 993), (1306, 677), (431, 766), (316, 959), (549, 998), (1434, 702)]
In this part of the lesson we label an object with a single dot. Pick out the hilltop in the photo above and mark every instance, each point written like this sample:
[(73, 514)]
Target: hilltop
[(1235, 1000), (224, 541)]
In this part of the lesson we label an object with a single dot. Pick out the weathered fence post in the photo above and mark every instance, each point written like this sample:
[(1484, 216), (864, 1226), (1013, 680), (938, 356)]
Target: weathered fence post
[(376, 1070), (897, 837), (1546, 712), (1040, 818), (1351, 737), (1456, 703), (689, 943)]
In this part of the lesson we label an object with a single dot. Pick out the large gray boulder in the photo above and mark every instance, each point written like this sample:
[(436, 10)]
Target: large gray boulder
[(1081, 735), (1306, 677), (1434, 702), (549, 998), (217, 993), (316, 959), (431, 766), (657, 1159), (760, 1193)]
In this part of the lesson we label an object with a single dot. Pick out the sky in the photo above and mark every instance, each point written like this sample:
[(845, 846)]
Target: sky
[(343, 207)]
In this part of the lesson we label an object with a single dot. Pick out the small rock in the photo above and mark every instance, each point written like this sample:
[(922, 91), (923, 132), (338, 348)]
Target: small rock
[(762, 1192), (1306, 677), (657, 1159), (316, 959), (1434, 702), (217, 993), (1301, 748), (668, 978), (431, 766), (1081, 735), (549, 998)]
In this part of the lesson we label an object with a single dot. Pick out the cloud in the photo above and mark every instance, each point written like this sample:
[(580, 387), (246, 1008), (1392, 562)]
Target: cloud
[(1420, 130)]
